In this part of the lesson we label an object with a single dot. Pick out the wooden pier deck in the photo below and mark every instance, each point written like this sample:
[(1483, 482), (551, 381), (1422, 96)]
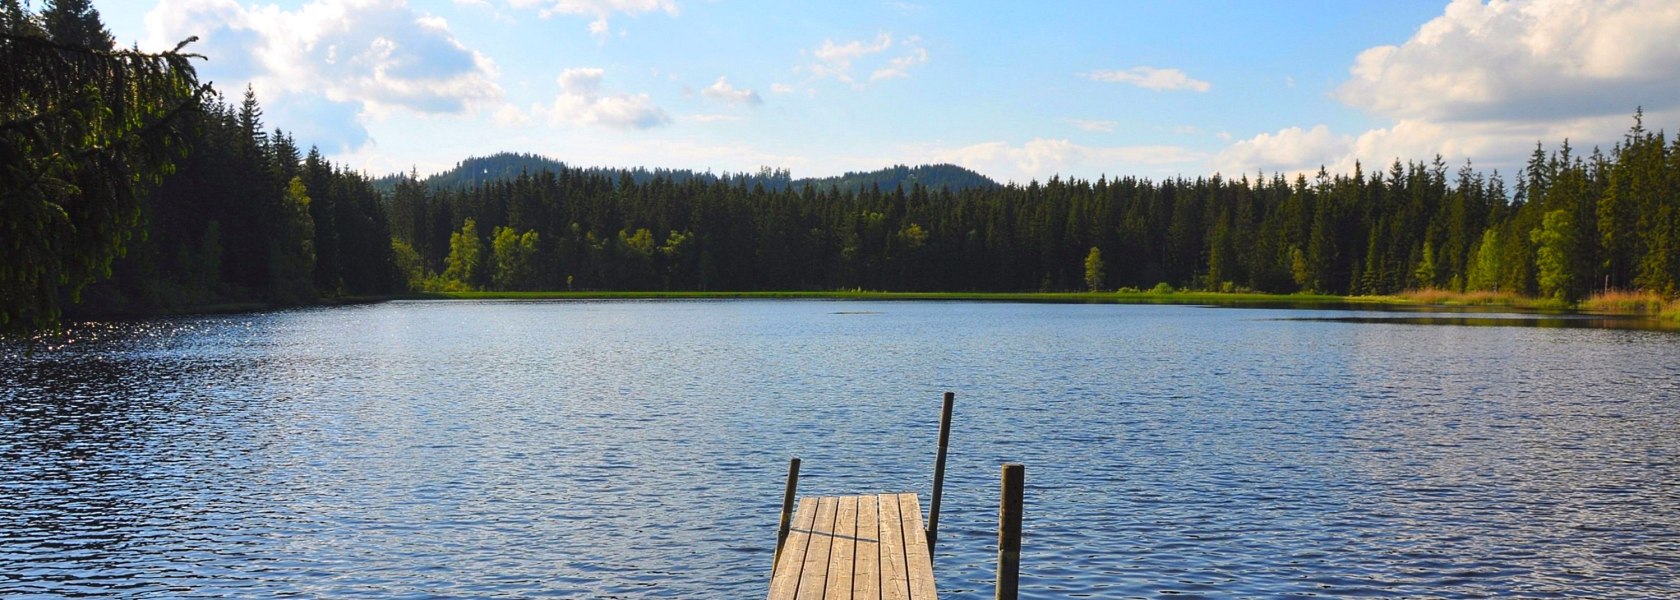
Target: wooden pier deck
[(873, 546), (870, 547)]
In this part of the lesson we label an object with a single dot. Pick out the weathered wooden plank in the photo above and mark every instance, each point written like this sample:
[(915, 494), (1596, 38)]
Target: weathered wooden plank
[(785, 583), (840, 556), (917, 557), (814, 577), (866, 568), (895, 581)]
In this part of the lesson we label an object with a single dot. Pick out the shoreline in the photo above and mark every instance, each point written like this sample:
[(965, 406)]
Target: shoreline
[(1393, 303), (1192, 298), (1388, 303)]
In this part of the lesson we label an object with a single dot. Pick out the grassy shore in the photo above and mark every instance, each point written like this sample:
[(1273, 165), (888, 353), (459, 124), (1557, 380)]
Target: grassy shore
[(1614, 304), (1611, 302), (1150, 297)]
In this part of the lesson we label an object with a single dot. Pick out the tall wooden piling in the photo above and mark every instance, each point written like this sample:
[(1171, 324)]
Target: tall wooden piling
[(787, 510), (1009, 532), (939, 469)]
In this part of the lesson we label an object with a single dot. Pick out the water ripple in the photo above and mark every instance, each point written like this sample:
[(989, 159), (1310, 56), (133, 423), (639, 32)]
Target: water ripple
[(636, 449)]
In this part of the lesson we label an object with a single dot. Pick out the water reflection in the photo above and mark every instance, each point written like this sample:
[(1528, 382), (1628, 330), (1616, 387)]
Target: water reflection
[(1553, 321), (619, 449)]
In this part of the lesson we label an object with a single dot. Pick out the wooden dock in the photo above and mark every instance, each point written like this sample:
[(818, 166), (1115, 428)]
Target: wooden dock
[(873, 546), (856, 548)]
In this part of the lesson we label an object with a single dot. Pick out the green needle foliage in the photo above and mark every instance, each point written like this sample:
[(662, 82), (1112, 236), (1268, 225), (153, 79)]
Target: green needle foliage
[(84, 132)]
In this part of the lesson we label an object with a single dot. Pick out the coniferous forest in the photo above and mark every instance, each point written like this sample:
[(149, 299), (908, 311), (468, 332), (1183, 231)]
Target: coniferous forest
[(248, 217), (195, 201), (1570, 223)]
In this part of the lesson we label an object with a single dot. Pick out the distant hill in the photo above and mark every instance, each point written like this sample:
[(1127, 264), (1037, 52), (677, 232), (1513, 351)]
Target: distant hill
[(947, 176), (477, 171)]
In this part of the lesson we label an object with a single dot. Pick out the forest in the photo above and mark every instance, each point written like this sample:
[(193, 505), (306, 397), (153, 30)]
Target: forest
[(249, 218), (131, 188), (1570, 224)]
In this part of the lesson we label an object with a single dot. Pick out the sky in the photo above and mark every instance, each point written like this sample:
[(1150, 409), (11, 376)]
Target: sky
[(1018, 91)]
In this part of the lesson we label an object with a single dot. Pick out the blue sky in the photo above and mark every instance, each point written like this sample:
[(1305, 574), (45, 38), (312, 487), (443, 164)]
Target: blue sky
[(1015, 90)]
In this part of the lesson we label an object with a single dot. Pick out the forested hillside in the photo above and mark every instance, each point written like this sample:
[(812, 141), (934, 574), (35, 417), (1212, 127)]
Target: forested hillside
[(933, 177), (506, 166), (1573, 223)]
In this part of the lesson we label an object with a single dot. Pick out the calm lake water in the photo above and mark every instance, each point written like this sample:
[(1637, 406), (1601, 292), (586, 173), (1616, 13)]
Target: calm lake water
[(637, 449)]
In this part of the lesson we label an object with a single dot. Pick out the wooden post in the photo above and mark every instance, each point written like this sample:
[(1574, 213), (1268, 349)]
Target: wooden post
[(939, 470), (787, 510), (1009, 532)]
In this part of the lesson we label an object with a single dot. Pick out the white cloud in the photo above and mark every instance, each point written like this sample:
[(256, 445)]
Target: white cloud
[(344, 60), (900, 66), (1487, 81), (837, 60), (1151, 78), (508, 115), (1518, 61), (781, 88), (1093, 126), (722, 90), (581, 102), (601, 10), (1040, 158), (1290, 150)]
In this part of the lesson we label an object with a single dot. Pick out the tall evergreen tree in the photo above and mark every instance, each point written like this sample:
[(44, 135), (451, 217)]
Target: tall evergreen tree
[(77, 23)]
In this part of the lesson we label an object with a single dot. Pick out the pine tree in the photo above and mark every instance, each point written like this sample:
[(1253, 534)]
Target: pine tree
[(254, 142), (77, 23)]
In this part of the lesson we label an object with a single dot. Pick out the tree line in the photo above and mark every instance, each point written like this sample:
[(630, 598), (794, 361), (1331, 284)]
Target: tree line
[(1570, 224), (132, 188)]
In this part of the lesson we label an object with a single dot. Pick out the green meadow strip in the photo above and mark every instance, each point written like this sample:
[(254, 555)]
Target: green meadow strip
[(1213, 298)]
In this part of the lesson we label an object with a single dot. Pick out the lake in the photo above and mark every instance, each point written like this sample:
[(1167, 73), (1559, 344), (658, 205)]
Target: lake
[(638, 449)]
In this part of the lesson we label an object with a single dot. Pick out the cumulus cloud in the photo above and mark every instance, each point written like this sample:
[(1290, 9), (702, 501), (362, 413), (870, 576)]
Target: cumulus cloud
[(1040, 158), (721, 90), (1151, 78), (781, 88), (1093, 126), (1545, 59), (581, 102), (601, 10), (1487, 81), (1289, 150), (838, 60), (900, 66), (336, 59)]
